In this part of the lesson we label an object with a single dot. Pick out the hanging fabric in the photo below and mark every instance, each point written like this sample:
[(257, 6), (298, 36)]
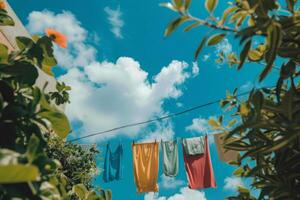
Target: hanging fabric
[(113, 167), (199, 168), (170, 158), (145, 166), (224, 154), (193, 146)]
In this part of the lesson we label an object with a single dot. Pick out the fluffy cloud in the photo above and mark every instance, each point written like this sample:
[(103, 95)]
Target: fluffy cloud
[(200, 125), (110, 94), (170, 182), (78, 53), (163, 131), (115, 20), (232, 183), (107, 94), (184, 194)]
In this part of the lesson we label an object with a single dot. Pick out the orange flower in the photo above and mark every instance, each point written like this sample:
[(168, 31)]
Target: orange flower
[(59, 38), (2, 5)]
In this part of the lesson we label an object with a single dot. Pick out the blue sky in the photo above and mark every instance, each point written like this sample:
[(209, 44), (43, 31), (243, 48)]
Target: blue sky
[(123, 70)]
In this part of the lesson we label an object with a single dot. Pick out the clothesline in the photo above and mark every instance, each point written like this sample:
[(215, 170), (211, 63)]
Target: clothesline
[(159, 118), (196, 156)]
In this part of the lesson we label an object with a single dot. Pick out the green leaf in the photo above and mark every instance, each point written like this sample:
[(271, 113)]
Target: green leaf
[(59, 122), (215, 39), (200, 47), (244, 54), (6, 20), (254, 55), (3, 53), (287, 70), (257, 99), (210, 5), (227, 12), (178, 3), (174, 24), (24, 42), (32, 148), (212, 122), (187, 4), (80, 190), (193, 25), (23, 72), (17, 173), (274, 36)]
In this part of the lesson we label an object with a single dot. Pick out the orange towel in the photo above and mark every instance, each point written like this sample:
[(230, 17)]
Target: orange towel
[(145, 166)]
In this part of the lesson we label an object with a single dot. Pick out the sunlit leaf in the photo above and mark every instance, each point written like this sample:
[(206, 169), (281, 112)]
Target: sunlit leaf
[(254, 55), (174, 24), (212, 122), (200, 47), (169, 6), (24, 42), (210, 5), (80, 190), (244, 109), (215, 39), (193, 25), (17, 173), (227, 12)]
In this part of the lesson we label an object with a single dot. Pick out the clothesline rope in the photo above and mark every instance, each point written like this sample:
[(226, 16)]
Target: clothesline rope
[(157, 119)]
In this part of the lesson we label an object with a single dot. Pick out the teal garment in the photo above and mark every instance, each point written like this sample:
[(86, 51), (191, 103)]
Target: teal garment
[(170, 158), (193, 146), (113, 164)]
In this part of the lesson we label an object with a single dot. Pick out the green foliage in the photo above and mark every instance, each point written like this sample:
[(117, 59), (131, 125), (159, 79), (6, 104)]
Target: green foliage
[(265, 127), (30, 166), (5, 19), (80, 165), (281, 32), (60, 96)]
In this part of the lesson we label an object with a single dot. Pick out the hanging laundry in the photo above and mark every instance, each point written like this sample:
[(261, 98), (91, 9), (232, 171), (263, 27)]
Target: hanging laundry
[(224, 154), (170, 158), (145, 166), (193, 146), (199, 168), (113, 168)]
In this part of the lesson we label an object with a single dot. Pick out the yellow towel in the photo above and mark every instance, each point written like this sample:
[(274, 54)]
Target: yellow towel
[(145, 166)]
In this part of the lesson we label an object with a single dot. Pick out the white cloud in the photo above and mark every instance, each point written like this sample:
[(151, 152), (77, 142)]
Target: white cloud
[(200, 125), (78, 53), (163, 131), (195, 69), (170, 182), (184, 194), (115, 20), (206, 57), (153, 196), (106, 95), (232, 183)]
